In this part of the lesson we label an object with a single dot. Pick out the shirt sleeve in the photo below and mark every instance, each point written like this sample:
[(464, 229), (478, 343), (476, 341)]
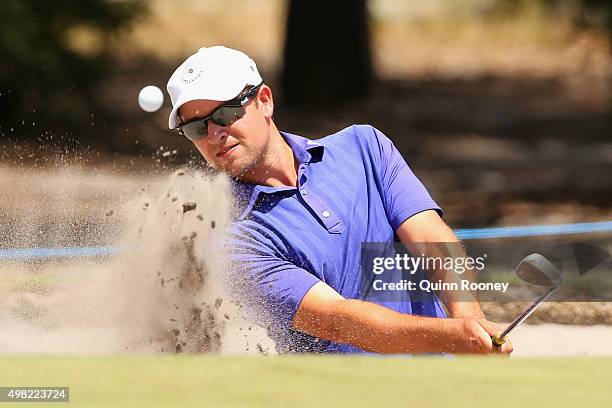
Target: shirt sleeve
[(272, 287), (403, 193)]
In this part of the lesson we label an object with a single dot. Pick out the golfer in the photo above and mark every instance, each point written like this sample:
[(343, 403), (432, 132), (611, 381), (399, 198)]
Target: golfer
[(304, 210)]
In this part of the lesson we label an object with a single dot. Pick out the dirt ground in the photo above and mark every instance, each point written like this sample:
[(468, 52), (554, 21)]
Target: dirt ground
[(561, 340)]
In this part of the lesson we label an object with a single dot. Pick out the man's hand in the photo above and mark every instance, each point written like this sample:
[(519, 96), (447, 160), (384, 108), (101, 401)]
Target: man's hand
[(492, 329), (476, 337)]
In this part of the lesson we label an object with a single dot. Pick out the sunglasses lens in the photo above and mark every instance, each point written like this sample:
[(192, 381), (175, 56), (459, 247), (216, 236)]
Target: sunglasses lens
[(227, 115), (195, 130), (224, 116)]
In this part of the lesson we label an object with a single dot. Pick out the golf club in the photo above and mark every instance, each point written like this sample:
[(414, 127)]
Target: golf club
[(536, 269)]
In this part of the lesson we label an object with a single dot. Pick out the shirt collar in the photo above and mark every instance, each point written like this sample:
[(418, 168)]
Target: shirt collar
[(305, 150)]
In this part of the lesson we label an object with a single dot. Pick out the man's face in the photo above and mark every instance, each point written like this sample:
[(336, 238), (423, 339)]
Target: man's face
[(239, 148)]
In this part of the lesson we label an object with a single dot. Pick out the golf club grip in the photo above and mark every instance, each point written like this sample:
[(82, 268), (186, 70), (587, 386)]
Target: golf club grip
[(497, 340)]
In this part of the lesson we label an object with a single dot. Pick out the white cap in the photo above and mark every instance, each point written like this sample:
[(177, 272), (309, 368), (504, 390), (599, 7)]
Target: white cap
[(214, 73)]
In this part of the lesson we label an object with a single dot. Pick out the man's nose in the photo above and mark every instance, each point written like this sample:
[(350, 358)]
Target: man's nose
[(216, 133)]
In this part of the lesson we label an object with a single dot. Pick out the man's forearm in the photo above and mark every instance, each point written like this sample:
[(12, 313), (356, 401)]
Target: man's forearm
[(375, 328)]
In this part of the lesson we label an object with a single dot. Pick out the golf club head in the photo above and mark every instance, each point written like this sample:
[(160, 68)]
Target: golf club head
[(538, 270)]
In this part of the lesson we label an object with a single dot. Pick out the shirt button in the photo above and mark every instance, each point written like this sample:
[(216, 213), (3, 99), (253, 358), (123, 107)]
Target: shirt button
[(304, 191), (325, 214)]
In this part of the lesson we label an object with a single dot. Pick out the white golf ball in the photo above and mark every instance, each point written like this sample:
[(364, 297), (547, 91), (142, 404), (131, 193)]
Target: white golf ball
[(150, 98)]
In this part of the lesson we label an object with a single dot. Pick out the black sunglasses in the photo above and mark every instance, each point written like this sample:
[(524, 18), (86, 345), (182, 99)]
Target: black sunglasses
[(224, 115)]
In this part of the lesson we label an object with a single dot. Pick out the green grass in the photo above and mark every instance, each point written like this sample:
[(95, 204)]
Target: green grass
[(156, 381)]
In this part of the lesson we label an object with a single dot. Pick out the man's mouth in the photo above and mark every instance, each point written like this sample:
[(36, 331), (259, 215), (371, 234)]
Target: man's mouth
[(226, 150)]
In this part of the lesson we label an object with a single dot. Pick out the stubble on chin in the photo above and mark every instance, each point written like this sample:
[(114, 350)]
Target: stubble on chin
[(245, 166), (238, 169)]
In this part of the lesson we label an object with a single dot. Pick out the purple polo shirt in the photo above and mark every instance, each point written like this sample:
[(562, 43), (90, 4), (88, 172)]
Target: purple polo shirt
[(354, 187)]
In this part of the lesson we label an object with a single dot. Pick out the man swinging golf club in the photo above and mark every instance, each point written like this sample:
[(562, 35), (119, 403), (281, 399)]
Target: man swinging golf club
[(304, 209)]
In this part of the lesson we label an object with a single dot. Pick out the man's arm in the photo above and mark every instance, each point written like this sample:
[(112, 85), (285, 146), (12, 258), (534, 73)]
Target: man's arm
[(322, 312), (326, 314), (428, 227)]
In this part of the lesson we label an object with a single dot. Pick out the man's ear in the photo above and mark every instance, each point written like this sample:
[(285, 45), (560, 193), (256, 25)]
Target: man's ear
[(265, 100)]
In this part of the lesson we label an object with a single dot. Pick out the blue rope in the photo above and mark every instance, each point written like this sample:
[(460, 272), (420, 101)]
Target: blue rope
[(46, 253), (534, 230), (467, 234)]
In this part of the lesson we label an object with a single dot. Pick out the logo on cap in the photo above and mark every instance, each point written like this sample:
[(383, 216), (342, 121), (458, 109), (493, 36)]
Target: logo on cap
[(192, 71)]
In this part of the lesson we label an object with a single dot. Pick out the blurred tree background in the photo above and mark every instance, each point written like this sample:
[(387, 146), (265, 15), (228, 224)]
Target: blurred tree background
[(56, 54), (326, 51), (53, 56), (586, 12), (504, 105)]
